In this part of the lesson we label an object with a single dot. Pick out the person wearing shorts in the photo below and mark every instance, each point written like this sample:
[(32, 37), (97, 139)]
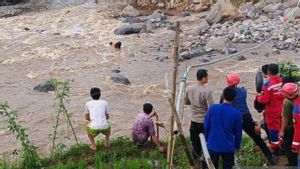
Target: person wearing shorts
[(96, 114)]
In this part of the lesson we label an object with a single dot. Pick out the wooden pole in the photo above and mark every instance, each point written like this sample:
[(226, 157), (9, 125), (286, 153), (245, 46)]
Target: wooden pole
[(181, 135), (171, 119)]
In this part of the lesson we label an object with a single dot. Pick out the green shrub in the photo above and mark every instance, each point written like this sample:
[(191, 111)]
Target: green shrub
[(289, 69)]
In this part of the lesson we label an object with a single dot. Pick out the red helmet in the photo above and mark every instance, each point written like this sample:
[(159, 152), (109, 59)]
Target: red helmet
[(233, 79), (290, 90)]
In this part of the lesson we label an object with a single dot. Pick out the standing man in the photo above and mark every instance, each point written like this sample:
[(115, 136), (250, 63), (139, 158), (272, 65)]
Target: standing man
[(223, 130), (273, 100), (249, 126), (290, 90), (200, 98)]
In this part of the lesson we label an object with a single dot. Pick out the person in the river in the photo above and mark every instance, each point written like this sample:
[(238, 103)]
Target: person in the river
[(223, 130), (249, 126), (96, 114), (143, 128), (199, 96), (273, 100), (290, 90)]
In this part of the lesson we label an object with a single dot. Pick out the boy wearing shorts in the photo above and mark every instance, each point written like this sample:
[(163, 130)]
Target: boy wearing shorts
[(97, 115)]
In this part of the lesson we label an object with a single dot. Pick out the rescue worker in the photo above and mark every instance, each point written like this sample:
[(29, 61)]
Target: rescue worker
[(249, 126), (273, 100), (290, 90)]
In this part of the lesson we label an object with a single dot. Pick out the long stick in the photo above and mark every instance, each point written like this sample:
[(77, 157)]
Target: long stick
[(171, 120), (181, 135)]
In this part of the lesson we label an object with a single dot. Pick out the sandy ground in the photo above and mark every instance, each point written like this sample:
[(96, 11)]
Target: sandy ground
[(73, 43)]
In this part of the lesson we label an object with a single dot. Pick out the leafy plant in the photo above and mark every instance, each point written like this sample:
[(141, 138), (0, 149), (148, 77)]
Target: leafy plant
[(289, 69), (62, 90), (30, 158)]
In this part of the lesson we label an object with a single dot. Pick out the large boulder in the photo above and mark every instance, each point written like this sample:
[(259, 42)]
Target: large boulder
[(218, 44), (250, 11), (271, 8), (156, 16), (221, 10), (120, 79), (291, 14), (289, 4), (127, 29), (130, 11), (44, 87)]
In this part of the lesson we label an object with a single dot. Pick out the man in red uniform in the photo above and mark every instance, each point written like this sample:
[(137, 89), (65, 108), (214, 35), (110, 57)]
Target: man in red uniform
[(273, 100)]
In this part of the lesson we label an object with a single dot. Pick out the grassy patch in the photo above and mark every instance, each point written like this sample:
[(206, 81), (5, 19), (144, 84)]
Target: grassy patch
[(123, 154), (250, 154)]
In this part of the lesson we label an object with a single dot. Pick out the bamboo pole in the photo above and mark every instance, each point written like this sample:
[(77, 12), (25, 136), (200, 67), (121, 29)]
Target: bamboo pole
[(171, 119), (181, 135)]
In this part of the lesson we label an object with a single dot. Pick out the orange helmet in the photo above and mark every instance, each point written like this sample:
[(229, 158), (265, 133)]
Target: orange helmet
[(233, 79), (290, 90)]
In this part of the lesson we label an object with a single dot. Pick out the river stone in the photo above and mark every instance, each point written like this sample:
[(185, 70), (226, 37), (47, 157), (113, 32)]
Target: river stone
[(240, 58), (185, 14), (185, 55), (120, 79), (250, 11), (197, 53), (44, 87), (156, 16), (127, 29), (221, 10), (117, 70), (289, 3), (218, 44), (271, 8), (129, 11)]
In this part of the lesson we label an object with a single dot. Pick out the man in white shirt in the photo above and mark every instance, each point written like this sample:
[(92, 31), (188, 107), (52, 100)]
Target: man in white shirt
[(97, 115)]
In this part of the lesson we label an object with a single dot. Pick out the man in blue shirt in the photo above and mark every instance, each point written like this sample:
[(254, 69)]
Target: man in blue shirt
[(223, 130), (249, 126)]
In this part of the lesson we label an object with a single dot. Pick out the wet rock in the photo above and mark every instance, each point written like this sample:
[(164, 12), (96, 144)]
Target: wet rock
[(117, 70), (203, 60), (267, 54), (218, 44), (156, 16), (197, 53), (250, 11), (120, 79), (130, 19), (127, 29), (276, 51), (263, 18), (231, 50), (254, 53), (185, 55), (127, 19), (271, 7), (199, 7), (44, 87), (289, 3), (240, 58), (185, 14), (222, 10), (130, 11)]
